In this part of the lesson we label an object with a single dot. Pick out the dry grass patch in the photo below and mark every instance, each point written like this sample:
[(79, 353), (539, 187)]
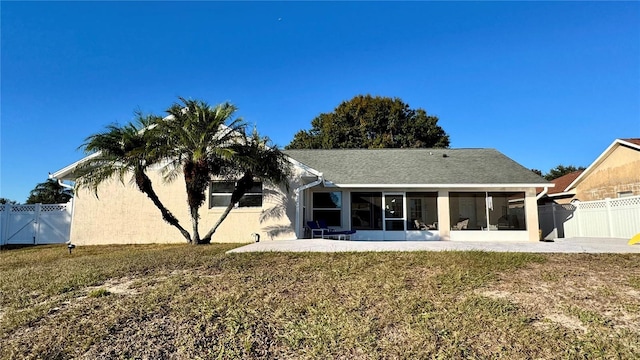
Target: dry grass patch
[(185, 302), (583, 292)]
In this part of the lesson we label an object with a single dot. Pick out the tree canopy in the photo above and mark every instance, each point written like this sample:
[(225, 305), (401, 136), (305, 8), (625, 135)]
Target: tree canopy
[(8, 201), (561, 170), (372, 122), (49, 192)]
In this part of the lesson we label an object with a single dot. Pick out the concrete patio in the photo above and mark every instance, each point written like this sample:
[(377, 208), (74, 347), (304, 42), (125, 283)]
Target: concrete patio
[(571, 245)]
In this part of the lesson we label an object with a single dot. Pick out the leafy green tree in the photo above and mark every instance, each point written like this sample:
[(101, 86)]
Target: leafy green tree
[(196, 140), (561, 170), (372, 122), (8, 201), (537, 172), (49, 192)]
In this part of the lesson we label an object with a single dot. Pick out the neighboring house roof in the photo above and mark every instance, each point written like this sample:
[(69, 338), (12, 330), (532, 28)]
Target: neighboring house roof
[(632, 143), (635, 141), (561, 184), (457, 167)]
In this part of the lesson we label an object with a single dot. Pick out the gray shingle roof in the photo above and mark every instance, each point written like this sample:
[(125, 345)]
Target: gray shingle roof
[(416, 166)]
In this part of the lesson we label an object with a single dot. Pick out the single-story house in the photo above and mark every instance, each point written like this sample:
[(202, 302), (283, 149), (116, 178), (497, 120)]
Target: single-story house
[(382, 194), (615, 173)]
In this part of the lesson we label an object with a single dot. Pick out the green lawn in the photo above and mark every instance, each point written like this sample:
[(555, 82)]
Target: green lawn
[(185, 302)]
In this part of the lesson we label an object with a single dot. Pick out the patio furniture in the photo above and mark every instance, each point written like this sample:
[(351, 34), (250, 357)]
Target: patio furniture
[(420, 225), (461, 225), (320, 228)]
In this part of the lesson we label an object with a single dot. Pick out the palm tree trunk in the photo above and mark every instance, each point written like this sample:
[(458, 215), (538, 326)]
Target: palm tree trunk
[(207, 238), (242, 186), (145, 185), (196, 178), (194, 221)]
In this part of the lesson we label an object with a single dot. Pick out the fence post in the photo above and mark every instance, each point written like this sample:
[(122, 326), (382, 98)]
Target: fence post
[(555, 226), (3, 222), (607, 201), (578, 218), (36, 224)]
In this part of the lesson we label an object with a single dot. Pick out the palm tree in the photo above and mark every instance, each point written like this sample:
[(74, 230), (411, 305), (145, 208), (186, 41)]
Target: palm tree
[(195, 139), (253, 160), (198, 141), (49, 192), (121, 150)]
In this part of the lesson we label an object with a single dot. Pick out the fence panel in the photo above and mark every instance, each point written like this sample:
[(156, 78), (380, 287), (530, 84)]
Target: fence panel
[(603, 218), (54, 224), (20, 228), (625, 217), (593, 219), (35, 224)]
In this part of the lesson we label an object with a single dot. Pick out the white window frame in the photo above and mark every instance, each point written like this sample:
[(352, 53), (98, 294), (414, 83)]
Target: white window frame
[(236, 205)]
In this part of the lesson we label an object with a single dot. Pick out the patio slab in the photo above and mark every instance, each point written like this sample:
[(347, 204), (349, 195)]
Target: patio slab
[(571, 245)]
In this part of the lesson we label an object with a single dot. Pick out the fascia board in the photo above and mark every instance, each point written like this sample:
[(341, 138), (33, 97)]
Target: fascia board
[(63, 174), (566, 193), (443, 186), (304, 167), (631, 145)]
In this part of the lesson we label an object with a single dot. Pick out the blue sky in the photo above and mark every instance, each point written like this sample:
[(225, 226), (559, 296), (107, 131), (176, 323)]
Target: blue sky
[(545, 83)]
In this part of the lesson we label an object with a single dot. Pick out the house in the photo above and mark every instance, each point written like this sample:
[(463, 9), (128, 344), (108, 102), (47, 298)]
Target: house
[(383, 194), (559, 194), (615, 173)]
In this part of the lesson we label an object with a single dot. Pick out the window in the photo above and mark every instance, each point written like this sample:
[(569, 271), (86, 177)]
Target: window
[(366, 210), (625, 194), (422, 210), (220, 194), (470, 210), (327, 206)]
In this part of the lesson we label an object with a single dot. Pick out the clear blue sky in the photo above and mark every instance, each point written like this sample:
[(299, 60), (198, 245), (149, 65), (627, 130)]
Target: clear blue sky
[(545, 83)]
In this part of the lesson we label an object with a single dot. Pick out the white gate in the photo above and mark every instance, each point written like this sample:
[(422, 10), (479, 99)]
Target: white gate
[(35, 224), (619, 218)]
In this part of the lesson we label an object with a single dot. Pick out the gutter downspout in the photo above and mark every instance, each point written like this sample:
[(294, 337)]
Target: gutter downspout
[(298, 191), (543, 193)]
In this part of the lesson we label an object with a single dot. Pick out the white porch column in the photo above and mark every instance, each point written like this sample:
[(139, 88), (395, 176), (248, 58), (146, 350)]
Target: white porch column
[(531, 214), (444, 223)]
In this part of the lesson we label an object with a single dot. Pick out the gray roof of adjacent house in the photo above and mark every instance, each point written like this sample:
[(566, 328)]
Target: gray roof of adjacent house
[(416, 166)]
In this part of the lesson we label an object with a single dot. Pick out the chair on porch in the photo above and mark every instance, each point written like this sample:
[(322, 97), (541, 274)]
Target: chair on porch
[(320, 227), (420, 225), (461, 225)]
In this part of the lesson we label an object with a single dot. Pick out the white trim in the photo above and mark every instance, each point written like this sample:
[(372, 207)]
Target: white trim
[(441, 186), (543, 193), (566, 193), (303, 166), (616, 143), (69, 169)]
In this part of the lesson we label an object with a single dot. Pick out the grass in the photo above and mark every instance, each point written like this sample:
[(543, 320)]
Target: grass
[(183, 302)]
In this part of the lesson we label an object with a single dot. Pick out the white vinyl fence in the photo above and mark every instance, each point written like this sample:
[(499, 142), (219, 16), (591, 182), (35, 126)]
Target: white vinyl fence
[(35, 224), (619, 218)]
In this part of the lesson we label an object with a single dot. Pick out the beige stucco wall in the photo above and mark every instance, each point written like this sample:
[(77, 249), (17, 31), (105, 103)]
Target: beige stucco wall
[(123, 215), (618, 172)]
